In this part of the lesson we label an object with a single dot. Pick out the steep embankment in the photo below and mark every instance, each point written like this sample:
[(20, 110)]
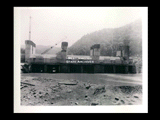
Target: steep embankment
[(111, 37)]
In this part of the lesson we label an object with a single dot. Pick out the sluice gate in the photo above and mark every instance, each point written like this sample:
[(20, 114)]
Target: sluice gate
[(74, 68)]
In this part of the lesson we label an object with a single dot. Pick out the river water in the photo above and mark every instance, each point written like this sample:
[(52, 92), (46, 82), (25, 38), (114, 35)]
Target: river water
[(107, 79)]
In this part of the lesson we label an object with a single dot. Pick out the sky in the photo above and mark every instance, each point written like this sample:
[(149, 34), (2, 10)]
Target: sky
[(49, 25)]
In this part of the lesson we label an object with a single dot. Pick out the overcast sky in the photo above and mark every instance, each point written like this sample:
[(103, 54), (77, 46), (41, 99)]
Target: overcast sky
[(51, 24)]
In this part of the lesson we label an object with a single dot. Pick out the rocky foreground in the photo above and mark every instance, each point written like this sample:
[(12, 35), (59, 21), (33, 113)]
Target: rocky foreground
[(41, 91)]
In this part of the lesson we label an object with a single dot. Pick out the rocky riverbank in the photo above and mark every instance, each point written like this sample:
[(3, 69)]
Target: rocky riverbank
[(43, 91)]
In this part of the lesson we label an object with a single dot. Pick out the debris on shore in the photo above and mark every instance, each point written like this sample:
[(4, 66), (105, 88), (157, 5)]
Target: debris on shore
[(47, 91)]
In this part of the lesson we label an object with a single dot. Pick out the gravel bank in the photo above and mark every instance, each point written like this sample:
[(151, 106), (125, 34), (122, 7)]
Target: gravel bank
[(42, 91)]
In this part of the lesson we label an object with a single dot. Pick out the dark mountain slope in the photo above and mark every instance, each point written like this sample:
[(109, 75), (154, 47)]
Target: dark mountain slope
[(110, 38)]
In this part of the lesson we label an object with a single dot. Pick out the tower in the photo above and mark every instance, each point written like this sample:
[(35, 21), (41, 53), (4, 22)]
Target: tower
[(30, 48), (126, 50), (95, 52), (64, 46), (61, 56)]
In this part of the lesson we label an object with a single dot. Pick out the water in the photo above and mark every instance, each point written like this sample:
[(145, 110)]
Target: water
[(107, 79)]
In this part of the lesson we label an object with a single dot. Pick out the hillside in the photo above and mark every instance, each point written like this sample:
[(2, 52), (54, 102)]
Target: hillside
[(111, 37), (42, 48), (39, 50)]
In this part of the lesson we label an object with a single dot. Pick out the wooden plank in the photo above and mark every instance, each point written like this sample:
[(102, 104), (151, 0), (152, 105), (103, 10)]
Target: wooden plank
[(67, 83), (27, 84), (23, 87)]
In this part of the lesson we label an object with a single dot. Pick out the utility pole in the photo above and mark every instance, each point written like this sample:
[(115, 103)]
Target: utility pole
[(30, 29)]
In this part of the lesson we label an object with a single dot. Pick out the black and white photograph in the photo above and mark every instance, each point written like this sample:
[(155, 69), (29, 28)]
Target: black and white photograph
[(80, 59)]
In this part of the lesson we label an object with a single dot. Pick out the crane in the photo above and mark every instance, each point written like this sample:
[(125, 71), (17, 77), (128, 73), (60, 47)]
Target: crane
[(53, 46)]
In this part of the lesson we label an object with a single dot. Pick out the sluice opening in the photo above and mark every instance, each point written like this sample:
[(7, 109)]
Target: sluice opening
[(75, 69), (37, 68), (52, 69), (132, 69), (108, 69), (88, 69), (120, 69)]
